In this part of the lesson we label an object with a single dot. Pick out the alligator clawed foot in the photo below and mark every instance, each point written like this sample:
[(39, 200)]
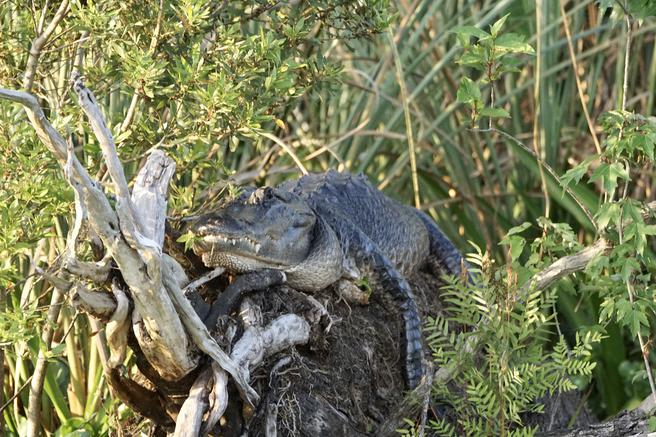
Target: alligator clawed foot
[(351, 293)]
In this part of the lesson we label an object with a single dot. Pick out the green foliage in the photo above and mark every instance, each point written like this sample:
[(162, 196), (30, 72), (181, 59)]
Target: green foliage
[(18, 326), (493, 54), (629, 136), (623, 277), (507, 325), (32, 194)]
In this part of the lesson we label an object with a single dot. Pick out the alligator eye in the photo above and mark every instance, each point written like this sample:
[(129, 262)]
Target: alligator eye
[(303, 220)]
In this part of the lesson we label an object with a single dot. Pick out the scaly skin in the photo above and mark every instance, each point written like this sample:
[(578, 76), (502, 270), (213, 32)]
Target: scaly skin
[(325, 227)]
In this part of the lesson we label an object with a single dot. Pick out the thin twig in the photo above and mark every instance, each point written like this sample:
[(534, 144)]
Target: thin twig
[(16, 394), (547, 167), (192, 286), (44, 12), (285, 147), (36, 387), (408, 122), (625, 79), (329, 148), (579, 84)]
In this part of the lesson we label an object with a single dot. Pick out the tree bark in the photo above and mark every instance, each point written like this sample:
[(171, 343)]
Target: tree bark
[(626, 423)]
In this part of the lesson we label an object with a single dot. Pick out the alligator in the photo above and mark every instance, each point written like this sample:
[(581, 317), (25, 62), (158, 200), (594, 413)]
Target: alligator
[(323, 229)]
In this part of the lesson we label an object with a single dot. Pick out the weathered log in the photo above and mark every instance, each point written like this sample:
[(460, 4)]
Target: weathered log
[(627, 423)]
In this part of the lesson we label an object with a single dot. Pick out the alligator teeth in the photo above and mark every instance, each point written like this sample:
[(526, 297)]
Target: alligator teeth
[(222, 239)]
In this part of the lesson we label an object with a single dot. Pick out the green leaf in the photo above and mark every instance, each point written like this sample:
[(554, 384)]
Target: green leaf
[(188, 239), (495, 28), (641, 9), (513, 43), (516, 247), (638, 319), (468, 91), (494, 113), (576, 173), (474, 56), (469, 31), (631, 210), (624, 307), (518, 229), (608, 212), (515, 242), (609, 173), (629, 266)]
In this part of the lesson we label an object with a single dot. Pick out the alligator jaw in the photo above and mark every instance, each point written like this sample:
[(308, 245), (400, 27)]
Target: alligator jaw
[(238, 254), (218, 240)]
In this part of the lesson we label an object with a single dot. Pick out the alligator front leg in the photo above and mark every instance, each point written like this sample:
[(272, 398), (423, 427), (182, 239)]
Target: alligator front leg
[(243, 284)]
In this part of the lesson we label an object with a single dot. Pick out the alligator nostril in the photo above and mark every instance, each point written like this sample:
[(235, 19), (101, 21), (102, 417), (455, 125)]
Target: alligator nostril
[(268, 193)]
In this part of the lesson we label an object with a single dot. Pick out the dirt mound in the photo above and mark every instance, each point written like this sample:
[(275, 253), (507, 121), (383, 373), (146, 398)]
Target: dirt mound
[(349, 378)]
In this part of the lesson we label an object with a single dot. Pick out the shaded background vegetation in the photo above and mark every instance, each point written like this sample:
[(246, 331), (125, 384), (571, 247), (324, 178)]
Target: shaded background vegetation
[(316, 85)]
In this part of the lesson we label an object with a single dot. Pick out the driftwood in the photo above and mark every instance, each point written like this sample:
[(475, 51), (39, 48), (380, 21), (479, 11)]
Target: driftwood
[(147, 295)]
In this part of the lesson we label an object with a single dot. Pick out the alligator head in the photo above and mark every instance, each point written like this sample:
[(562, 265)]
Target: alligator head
[(262, 228)]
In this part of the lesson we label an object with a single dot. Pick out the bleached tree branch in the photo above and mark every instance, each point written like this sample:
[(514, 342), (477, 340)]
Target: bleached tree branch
[(129, 219), (149, 194), (97, 304), (117, 328), (627, 423), (40, 41), (250, 350), (218, 399), (162, 339), (190, 417), (201, 337), (567, 265)]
